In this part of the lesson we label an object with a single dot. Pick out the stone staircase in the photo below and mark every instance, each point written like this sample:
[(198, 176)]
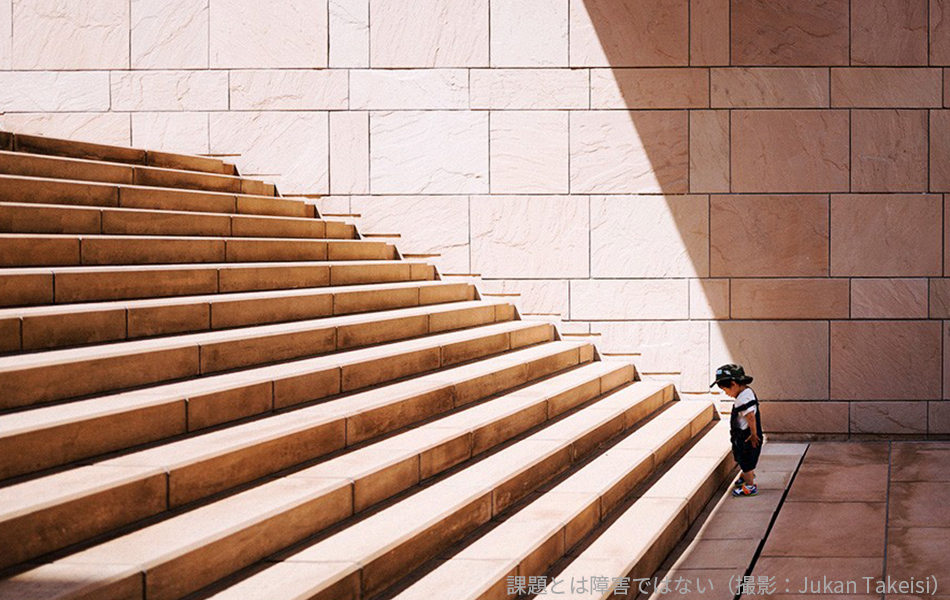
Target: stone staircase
[(209, 391)]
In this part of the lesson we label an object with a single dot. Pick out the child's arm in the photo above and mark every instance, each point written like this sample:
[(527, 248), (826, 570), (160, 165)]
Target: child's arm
[(753, 434)]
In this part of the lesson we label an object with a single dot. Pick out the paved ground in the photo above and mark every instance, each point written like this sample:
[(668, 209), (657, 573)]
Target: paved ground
[(855, 514)]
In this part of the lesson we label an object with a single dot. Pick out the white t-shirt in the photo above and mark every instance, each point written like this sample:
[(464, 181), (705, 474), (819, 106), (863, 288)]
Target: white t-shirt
[(744, 397)]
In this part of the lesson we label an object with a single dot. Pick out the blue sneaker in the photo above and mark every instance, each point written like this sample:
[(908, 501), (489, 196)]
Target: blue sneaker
[(745, 490), (739, 482)]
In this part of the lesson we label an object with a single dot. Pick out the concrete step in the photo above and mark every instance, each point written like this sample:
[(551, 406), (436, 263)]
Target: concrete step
[(56, 326), (53, 435), (645, 533), (38, 250), (44, 190), (77, 169), (74, 149), (69, 373), (53, 218), (63, 285), (201, 466), (187, 552), (534, 538)]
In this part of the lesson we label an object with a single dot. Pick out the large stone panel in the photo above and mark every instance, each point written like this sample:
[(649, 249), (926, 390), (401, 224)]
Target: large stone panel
[(349, 152), (805, 417), (529, 33), (709, 32), (429, 33), (770, 87), (629, 33), (709, 151), (6, 34), (790, 298), (676, 347), (888, 235), (708, 298), (866, 87), (940, 150), (530, 236), (889, 32), (889, 298), (788, 359), (790, 32), (545, 296), (885, 360), (349, 33), (940, 32), (630, 152), (103, 128), (429, 152), (169, 90), (278, 34), (889, 151), (629, 299), (171, 131), (169, 34), (291, 144), (71, 34), (776, 151), (529, 152), (889, 418), (520, 89), (288, 89), (768, 236), (649, 236), (408, 89), (54, 91), (649, 88)]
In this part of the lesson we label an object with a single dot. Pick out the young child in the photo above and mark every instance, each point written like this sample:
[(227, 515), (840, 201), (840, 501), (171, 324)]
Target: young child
[(745, 431)]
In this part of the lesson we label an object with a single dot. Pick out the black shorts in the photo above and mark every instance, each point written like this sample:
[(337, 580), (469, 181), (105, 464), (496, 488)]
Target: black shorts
[(745, 454)]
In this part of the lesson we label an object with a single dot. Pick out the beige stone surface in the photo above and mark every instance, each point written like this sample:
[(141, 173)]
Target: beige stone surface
[(529, 33), (408, 89), (889, 299), (431, 152), (708, 298), (169, 90), (940, 150), (709, 32), (788, 359), (288, 89), (349, 33), (864, 87), (709, 151), (890, 235), (171, 131), (169, 34), (790, 151), (54, 91), (889, 151), (529, 152), (806, 417), (284, 34), (530, 236), (863, 355), (889, 32), (790, 32), (663, 347), (536, 296), (629, 152), (649, 88), (939, 23), (539, 89), (789, 298), (71, 34), (629, 33), (889, 417), (107, 128), (349, 153), (429, 33), (6, 34), (671, 239), (629, 299), (768, 236), (770, 87)]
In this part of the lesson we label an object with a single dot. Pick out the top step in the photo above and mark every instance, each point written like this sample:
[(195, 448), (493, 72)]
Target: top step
[(35, 144)]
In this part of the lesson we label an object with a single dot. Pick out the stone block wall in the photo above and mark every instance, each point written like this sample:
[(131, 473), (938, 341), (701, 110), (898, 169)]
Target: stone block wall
[(692, 181)]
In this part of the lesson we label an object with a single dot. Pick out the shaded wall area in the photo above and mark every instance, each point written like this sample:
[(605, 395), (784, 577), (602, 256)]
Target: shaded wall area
[(692, 181)]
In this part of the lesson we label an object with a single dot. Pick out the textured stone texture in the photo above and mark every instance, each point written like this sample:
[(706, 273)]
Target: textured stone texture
[(629, 152), (790, 151), (530, 236), (71, 34), (709, 32), (889, 32), (429, 33), (537, 295), (285, 34), (709, 151), (649, 88), (629, 33), (939, 32), (889, 151), (768, 236), (169, 34), (889, 417), (54, 91), (529, 33), (789, 298), (288, 90), (892, 235), (410, 89), (349, 153), (429, 153), (708, 298), (171, 132), (529, 152), (6, 34), (795, 369), (630, 299), (862, 87), (673, 347), (940, 150), (790, 32), (863, 357), (770, 87), (889, 299), (170, 90), (544, 89), (349, 33), (939, 298), (105, 128), (806, 417), (671, 237)]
